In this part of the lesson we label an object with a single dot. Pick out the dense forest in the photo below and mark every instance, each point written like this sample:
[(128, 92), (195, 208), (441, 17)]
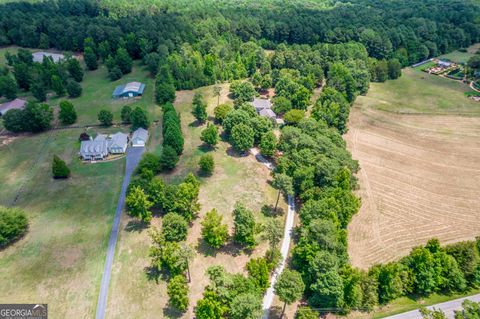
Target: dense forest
[(341, 46)]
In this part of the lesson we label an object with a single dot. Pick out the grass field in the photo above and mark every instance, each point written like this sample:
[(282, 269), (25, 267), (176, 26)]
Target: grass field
[(461, 57), (132, 294), (60, 260), (417, 141), (418, 93), (97, 92)]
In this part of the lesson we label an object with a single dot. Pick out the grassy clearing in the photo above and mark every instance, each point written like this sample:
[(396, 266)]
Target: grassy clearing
[(461, 57), (60, 260), (132, 294), (418, 92), (97, 92)]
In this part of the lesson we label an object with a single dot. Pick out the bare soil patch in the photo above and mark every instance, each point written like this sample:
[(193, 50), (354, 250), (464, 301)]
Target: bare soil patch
[(419, 179)]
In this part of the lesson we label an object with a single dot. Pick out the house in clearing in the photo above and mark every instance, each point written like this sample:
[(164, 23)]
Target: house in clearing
[(260, 104), (102, 145), (39, 56), (140, 137), (264, 108), (267, 113), (17, 104), (93, 150), (128, 90), (117, 143)]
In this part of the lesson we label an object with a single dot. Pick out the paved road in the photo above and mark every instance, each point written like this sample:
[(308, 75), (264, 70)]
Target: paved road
[(268, 298), (134, 154), (447, 307)]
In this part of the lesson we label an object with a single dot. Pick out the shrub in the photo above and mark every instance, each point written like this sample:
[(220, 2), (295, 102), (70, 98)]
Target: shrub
[(13, 224), (242, 137), (177, 290), (174, 227), (206, 163), (126, 114), (169, 158), (74, 89), (59, 168), (105, 117), (214, 232), (222, 111), (210, 135), (67, 113), (84, 137), (293, 117)]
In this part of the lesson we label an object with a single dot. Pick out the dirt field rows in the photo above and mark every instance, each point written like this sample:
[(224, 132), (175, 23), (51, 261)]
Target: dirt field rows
[(420, 177)]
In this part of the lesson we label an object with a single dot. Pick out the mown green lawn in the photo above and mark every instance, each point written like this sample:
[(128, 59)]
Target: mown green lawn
[(97, 95), (418, 92), (60, 260)]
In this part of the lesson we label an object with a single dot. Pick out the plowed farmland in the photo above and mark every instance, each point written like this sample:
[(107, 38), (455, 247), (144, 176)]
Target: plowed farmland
[(417, 140)]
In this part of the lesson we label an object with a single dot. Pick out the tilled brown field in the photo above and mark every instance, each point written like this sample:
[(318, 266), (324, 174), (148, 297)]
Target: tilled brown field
[(419, 178)]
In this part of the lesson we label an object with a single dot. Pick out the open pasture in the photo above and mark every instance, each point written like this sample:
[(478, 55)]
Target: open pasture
[(417, 141)]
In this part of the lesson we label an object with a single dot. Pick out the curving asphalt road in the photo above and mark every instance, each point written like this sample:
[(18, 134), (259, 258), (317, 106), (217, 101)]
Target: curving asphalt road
[(134, 154), (447, 307)]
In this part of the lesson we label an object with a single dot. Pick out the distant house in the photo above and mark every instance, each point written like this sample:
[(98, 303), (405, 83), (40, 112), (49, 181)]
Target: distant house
[(264, 108), (140, 138), (117, 143), (444, 64), (93, 150), (260, 104), (39, 56), (267, 113), (131, 89), (16, 104)]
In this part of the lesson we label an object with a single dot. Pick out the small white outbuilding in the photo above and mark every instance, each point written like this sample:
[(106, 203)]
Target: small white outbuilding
[(140, 138)]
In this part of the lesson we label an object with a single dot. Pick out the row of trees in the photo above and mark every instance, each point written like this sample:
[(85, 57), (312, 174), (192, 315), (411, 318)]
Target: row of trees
[(39, 78)]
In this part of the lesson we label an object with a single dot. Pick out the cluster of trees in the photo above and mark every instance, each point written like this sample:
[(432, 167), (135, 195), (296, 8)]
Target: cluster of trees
[(13, 225), (147, 192), (137, 117), (234, 295), (382, 70), (244, 127), (35, 117), (62, 77)]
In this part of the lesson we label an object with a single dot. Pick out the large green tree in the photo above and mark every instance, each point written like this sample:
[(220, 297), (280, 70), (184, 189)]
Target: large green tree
[(214, 232), (289, 288)]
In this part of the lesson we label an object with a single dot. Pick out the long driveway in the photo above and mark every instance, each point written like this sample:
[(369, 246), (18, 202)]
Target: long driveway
[(134, 154), (287, 237), (447, 307)]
